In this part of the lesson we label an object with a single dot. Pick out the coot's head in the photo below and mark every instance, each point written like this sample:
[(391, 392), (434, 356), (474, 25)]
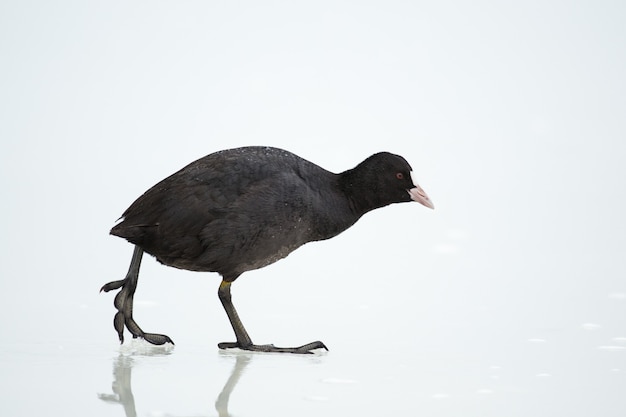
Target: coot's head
[(382, 179)]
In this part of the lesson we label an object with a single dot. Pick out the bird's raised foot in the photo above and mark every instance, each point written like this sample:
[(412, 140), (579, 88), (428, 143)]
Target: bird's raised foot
[(124, 316), (304, 349), (155, 338)]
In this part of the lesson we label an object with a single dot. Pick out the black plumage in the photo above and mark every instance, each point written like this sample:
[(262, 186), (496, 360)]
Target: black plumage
[(242, 209)]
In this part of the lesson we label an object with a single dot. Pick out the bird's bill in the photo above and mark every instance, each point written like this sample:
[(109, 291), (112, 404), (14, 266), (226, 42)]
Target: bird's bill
[(417, 194)]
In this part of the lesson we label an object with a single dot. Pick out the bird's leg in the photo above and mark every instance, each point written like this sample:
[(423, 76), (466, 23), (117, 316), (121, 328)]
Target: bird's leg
[(240, 332), (124, 304), (243, 340)]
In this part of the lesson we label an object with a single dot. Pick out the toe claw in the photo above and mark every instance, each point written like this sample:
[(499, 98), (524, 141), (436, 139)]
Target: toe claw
[(113, 285), (310, 347), (313, 345)]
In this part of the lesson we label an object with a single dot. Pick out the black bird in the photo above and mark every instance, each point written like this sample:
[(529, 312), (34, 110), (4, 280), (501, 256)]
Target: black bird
[(242, 209)]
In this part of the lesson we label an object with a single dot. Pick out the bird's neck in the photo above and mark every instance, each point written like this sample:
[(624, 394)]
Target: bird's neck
[(359, 191)]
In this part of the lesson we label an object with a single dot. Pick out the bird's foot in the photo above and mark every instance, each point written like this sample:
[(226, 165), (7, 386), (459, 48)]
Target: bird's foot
[(124, 316), (304, 349)]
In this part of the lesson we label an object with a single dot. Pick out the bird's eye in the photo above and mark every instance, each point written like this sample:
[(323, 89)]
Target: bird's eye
[(400, 176)]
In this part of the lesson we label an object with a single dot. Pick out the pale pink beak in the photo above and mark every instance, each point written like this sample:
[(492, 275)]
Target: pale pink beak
[(417, 194)]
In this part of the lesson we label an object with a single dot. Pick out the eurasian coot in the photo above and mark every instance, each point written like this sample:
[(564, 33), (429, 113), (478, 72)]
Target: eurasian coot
[(242, 209)]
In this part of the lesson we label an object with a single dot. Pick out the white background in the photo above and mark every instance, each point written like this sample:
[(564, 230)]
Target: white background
[(508, 300)]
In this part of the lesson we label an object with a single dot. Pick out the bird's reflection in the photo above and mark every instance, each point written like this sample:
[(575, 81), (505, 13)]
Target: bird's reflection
[(221, 404), (123, 393)]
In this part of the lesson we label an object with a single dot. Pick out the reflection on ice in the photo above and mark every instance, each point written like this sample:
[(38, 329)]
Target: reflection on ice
[(138, 347), (122, 391), (122, 371), (221, 404)]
